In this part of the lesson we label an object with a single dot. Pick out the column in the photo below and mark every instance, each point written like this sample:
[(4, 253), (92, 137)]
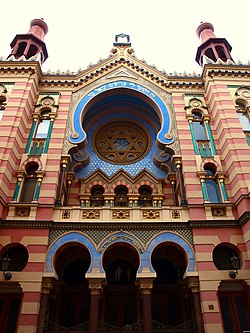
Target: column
[(146, 286), (69, 180), (47, 285), (32, 130), (38, 185), (172, 180), (190, 121), (221, 177), (177, 161), (61, 180), (193, 284), (209, 133), (52, 118), (95, 287), (202, 177), (18, 186)]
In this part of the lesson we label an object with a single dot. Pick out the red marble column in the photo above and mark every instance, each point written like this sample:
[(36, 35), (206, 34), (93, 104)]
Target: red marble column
[(146, 286), (95, 287)]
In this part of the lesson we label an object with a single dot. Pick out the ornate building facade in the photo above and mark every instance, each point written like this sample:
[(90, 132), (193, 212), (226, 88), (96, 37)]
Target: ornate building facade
[(124, 193)]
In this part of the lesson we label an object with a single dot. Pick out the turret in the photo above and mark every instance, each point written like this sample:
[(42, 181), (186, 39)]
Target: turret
[(211, 46), (32, 43)]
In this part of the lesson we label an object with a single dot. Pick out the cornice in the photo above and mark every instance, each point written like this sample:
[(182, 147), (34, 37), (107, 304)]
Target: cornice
[(214, 224), (13, 224), (164, 80), (97, 226), (226, 71), (244, 218), (20, 68)]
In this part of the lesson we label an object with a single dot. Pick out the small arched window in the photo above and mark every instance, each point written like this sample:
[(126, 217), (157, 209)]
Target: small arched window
[(97, 199), (2, 107), (212, 187), (244, 117), (210, 54), (222, 257), (121, 196), (18, 256), (30, 181), (43, 125), (200, 134), (21, 49), (32, 51), (221, 52), (199, 129), (145, 199)]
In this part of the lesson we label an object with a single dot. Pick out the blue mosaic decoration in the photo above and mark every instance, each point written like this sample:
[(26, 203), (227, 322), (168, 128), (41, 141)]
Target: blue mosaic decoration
[(109, 168), (79, 134), (163, 238), (97, 254), (68, 238)]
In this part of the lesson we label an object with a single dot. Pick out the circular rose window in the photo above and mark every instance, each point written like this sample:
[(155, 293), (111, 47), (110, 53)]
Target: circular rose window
[(121, 142)]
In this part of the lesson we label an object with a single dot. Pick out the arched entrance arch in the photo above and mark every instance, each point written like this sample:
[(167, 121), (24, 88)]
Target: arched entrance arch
[(120, 299), (69, 238), (163, 238), (164, 136), (172, 302), (120, 237)]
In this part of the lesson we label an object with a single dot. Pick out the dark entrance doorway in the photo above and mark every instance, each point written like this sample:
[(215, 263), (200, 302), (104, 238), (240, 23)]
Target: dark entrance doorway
[(10, 301), (69, 298), (171, 298), (120, 295), (234, 305)]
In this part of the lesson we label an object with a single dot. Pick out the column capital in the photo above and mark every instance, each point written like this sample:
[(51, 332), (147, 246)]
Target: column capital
[(52, 116), (145, 285), (35, 116), (201, 174), (65, 159), (221, 175), (206, 117), (47, 285), (171, 177), (70, 176), (20, 174), (177, 159), (193, 284), (40, 174), (95, 286)]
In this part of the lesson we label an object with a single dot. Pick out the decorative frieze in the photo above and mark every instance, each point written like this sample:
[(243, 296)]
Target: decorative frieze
[(91, 214), (151, 214), (22, 211), (66, 214), (121, 214)]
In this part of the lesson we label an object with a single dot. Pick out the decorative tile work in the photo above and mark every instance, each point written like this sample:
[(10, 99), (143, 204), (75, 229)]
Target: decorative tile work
[(121, 236), (109, 168), (142, 232)]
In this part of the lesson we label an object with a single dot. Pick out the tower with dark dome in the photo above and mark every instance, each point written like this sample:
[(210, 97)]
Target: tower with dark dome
[(32, 43)]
